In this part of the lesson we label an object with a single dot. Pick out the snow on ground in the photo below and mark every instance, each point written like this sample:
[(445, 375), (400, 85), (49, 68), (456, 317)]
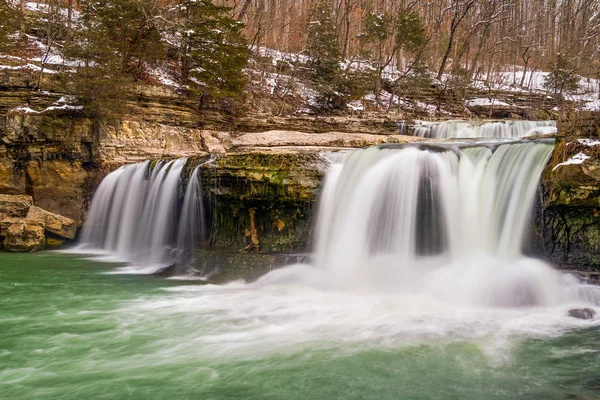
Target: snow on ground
[(356, 105), (164, 77), (588, 95), (277, 56), (486, 102), (589, 142), (28, 66), (576, 159), (43, 8), (282, 85)]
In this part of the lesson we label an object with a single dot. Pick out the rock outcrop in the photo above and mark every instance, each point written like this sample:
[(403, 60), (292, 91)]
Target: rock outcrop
[(568, 219), (262, 200), (582, 313), (25, 227), (14, 206), (22, 237)]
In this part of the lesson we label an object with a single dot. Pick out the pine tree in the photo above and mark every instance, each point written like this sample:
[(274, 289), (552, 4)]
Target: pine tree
[(113, 45), (334, 86), (213, 52), (562, 77), (322, 45)]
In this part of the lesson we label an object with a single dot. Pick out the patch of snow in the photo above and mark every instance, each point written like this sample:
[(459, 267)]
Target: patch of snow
[(164, 78), (486, 102), (277, 56), (430, 108), (25, 110), (64, 107), (576, 159), (589, 142), (44, 8), (588, 94), (356, 105), (30, 67)]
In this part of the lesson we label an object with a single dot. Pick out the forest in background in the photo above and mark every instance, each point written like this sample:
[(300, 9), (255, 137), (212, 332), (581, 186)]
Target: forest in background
[(222, 52)]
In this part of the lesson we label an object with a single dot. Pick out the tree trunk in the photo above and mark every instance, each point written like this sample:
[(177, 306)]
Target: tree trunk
[(70, 14), (244, 9), (447, 53), (22, 20)]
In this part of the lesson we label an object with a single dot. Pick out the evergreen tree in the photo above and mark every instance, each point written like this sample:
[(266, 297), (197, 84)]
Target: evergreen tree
[(213, 52), (386, 36), (113, 44), (322, 45), (334, 86), (562, 77)]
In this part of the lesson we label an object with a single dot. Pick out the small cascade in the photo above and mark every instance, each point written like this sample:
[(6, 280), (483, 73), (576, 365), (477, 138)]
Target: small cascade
[(191, 222), (136, 215), (492, 129), (449, 220)]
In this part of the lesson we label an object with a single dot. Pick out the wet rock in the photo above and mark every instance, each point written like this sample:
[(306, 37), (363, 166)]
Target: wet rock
[(568, 215), (262, 200), (582, 313), (15, 206), (57, 224), (22, 237)]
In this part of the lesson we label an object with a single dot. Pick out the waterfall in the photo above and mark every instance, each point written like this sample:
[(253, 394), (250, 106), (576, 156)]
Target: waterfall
[(136, 215), (447, 219), (493, 129), (191, 222)]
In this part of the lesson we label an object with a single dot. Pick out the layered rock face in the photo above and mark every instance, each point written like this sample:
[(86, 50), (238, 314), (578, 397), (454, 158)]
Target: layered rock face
[(568, 221), (25, 227), (260, 190)]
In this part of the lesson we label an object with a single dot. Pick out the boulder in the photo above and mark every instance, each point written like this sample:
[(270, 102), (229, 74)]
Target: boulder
[(21, 237), (16, 206), (54, 223), (582, 313)]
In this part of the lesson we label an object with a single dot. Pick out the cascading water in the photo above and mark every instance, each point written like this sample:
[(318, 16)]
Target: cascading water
[(448, 220), (135, 212), (493, 129), (191, 222)]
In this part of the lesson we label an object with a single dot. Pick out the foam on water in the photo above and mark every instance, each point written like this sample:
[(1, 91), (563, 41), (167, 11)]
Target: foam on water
[(294, 311)]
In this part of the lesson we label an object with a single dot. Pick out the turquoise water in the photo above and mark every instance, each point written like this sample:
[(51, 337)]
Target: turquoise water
[(70, 329)]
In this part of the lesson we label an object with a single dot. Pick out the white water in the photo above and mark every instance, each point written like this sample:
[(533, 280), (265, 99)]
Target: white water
[(134, 216), (441, 221), (494, 129), (191, 221)]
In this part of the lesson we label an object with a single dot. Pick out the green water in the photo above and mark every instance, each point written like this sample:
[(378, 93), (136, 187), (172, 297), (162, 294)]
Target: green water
[(69, 330)]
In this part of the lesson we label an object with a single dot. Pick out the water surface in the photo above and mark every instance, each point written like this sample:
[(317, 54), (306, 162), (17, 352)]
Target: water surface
[(70, 330)]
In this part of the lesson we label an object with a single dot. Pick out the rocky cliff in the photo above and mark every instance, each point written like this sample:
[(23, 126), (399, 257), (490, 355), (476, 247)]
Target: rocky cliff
[(260, 189), (568, 219)]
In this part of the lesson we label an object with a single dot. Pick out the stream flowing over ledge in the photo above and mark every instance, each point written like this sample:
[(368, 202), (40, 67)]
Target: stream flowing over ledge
[(262, 187)]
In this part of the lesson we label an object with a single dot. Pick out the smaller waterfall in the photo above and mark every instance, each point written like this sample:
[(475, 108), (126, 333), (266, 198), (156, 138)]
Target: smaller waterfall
[(136, 216), (191, 222), (493, 129)]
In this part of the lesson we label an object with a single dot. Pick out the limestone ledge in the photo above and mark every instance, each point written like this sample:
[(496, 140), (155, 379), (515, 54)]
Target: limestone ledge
[(24, 227)]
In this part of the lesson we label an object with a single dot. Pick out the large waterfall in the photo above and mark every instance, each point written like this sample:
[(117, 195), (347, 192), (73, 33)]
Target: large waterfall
[(445, 219), (136, 215), (492, 129)]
